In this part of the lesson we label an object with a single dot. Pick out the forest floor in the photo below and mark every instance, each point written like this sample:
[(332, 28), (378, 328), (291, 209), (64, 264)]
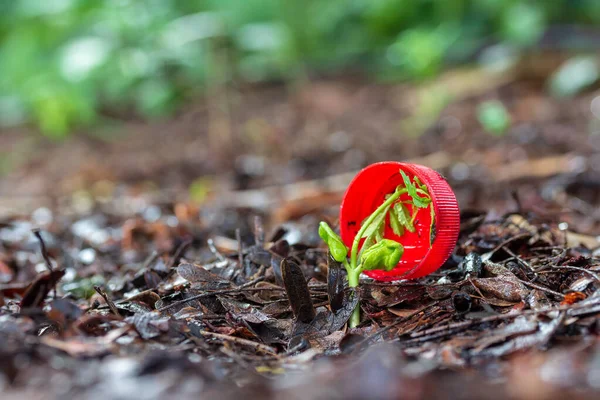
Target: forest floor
[(160, 270)]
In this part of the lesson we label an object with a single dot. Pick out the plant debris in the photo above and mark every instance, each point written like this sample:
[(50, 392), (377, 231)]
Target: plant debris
[(104, 311)]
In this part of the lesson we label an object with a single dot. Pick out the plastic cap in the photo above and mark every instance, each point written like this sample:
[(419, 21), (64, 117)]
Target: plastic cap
[(367, 191)]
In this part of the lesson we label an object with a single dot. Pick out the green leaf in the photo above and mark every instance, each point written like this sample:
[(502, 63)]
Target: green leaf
[(376, 224), (338, 249), (404, 217), (424, 193), (408, 184), (424, 201), (374, 232), (422, 186), (382, 255), (412, 192), (395, 224), (369, 241), (420, 202)]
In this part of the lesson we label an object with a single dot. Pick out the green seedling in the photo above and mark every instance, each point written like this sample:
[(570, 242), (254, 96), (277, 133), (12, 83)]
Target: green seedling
[(377, 252)]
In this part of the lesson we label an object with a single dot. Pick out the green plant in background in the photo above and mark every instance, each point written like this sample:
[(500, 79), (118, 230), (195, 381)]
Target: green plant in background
[(523, 23), (83, 288), (494, 118), (574, 76), (69, 63), (376, 252), (420, 52), (199, 189)]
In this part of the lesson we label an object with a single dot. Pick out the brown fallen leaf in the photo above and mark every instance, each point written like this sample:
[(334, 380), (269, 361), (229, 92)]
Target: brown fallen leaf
[(502, 287), (147, 297), (335, 283), (41, 286), (402, 312), (297, 291), (199, 276)]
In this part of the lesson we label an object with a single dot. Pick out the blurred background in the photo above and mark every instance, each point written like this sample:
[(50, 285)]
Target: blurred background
[(185, 99)]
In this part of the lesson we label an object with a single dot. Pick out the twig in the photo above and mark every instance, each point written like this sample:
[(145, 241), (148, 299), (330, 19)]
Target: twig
[(542, 288), (569, 267), (150, 260), (394, 324), (178, 253), (243, 342), (213, 249), (213, 293), (38, 235), (238, 237), (557, 259), (560, 320), (507, 241), (239, 289), (46, 257), (259, 231), (515, 196), (519, 259), (109, 302), (476, 288)]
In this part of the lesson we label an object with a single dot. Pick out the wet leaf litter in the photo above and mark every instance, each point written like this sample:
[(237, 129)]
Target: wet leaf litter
[(95, 306)]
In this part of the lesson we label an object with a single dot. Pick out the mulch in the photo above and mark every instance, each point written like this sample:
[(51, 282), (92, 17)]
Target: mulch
[(160, 301)]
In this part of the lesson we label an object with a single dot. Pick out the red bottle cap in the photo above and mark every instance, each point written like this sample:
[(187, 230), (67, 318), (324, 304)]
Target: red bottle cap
[(421, 256)]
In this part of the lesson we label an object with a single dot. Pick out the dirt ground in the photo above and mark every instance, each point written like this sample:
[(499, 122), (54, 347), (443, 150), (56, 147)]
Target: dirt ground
[(273, 135), (144, 307)]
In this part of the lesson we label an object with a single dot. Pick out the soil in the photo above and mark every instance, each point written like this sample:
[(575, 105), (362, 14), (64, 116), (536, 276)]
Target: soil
[(138, 291)]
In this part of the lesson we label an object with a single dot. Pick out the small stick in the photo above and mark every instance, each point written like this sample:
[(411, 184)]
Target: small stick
[(38, 235), (515, 196), (507, 241), (569, 267), (213, 249), (243, 342), (178, 253), (548, 336), (259, 231), (516, 257), (542, 288), (150, 260), (225, 291), (476, 288), (238, 237), (45, 255), (207, 294), (109, 302)]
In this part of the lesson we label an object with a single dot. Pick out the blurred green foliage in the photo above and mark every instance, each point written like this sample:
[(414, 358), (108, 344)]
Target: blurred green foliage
[(493, 117), (65, 63)]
